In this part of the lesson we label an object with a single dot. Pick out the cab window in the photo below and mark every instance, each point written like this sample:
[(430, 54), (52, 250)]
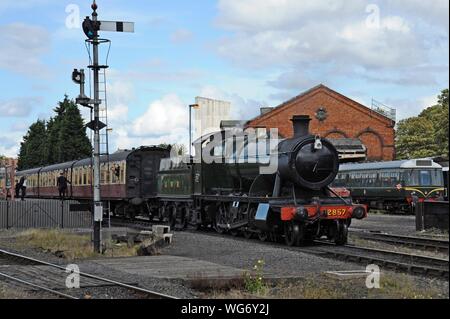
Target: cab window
[(425, 178)]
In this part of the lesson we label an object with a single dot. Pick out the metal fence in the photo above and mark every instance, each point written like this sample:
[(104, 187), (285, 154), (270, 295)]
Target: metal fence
[(42, 214)]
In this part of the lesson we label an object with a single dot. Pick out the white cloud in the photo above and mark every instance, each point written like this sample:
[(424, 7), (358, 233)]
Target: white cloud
[(164, 121), (433, 12), (163, 117), (181, 36), (23, 47), (18, 107), (10, 143), (319, 40), (241, 108), (411, 107), (21, 5), (263, 15), (335, 40)]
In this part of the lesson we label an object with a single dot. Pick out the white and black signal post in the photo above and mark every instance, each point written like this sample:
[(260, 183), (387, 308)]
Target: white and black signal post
[(91, 28)]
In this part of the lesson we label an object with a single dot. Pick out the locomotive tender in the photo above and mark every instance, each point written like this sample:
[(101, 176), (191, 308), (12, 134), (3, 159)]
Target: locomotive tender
[(232, 192)]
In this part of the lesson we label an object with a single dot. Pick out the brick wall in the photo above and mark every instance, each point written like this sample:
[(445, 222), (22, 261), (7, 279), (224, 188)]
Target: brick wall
[(345, 119)]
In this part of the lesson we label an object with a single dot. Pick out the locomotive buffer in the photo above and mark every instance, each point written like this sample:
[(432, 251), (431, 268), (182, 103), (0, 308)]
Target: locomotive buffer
[(91, 27)]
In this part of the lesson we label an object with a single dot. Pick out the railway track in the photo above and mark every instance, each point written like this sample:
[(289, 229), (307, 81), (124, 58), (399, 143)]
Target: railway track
[(436, 245), (50, 278), (404, 262)]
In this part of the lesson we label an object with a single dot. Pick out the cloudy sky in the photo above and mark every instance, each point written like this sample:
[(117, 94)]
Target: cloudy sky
[(251, 52)]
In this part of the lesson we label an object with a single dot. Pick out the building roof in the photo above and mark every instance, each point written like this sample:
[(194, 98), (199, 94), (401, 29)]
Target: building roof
[(316, 89), (415, 163)]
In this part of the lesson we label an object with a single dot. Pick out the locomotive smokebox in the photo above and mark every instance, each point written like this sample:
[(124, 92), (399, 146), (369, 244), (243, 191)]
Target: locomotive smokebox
[(306, 160), (301, 125)]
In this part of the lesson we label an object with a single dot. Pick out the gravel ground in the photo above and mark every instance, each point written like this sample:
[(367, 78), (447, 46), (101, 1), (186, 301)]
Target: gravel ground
[(400, 225), (279, 260)]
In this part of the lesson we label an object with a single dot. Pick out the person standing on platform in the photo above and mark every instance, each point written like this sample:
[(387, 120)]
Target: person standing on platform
[(62, 186), (23, 187)]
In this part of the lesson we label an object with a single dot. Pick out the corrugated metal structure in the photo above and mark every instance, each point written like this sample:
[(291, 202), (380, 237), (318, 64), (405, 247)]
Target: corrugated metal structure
[(42, 214), (209, 115)]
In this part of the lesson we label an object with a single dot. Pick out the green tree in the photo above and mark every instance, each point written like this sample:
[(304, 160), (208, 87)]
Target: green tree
[(425, 135), (33, 150), (442, 123), (53, 129), (72, 141), (63, 138)]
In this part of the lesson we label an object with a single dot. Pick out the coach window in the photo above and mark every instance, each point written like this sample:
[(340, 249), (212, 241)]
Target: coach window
[(88, 181), (385, 179), (437, 178), (83, 175), (412, 178), (395, 178)]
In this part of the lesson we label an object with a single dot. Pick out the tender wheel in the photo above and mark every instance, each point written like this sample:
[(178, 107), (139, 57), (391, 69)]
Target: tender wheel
[(293, 234), (341, 233)]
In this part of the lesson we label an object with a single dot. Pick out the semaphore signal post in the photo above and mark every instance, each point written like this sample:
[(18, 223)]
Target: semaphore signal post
[(91, 27)]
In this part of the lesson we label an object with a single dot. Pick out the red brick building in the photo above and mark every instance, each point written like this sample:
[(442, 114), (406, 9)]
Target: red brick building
[(334, 116)]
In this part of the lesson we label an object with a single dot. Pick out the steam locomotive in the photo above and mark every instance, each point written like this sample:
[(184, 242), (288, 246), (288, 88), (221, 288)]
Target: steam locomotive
[(232, 185)]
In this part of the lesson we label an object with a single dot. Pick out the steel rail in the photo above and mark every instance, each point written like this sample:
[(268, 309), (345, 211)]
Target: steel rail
[(414, 263), (55, 292), (153, 294), (416, 242)]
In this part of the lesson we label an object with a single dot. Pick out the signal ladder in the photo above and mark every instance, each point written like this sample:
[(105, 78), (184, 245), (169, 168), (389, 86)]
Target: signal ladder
[(103, 117)]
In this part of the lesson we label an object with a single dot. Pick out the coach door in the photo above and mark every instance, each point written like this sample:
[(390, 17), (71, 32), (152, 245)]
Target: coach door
[(134, 175), (149, 170)]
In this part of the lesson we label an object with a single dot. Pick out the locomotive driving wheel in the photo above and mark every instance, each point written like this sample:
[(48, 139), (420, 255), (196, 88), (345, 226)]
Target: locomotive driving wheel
[(248, 233), (172, 215), (294, 234), (221, 219), (178, 217), (341, 237)]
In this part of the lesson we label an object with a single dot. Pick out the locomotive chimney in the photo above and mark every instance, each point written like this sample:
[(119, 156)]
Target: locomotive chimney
[(301, 125)]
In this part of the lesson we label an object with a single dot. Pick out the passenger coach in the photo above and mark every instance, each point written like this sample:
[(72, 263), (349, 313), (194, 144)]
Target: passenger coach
[(392, 186), (128, 178)]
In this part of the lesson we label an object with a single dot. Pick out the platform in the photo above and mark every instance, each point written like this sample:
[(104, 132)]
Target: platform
[(171, 267)]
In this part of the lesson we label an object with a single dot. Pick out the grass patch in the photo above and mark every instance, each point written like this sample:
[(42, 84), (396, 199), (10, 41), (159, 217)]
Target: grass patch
[(71, 246), (402, 286), (393, 286)]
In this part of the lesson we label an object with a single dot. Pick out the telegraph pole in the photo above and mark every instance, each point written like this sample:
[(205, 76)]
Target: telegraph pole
[(91, 27)]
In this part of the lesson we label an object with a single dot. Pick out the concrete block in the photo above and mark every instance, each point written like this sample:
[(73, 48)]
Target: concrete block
[(160, 230)]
